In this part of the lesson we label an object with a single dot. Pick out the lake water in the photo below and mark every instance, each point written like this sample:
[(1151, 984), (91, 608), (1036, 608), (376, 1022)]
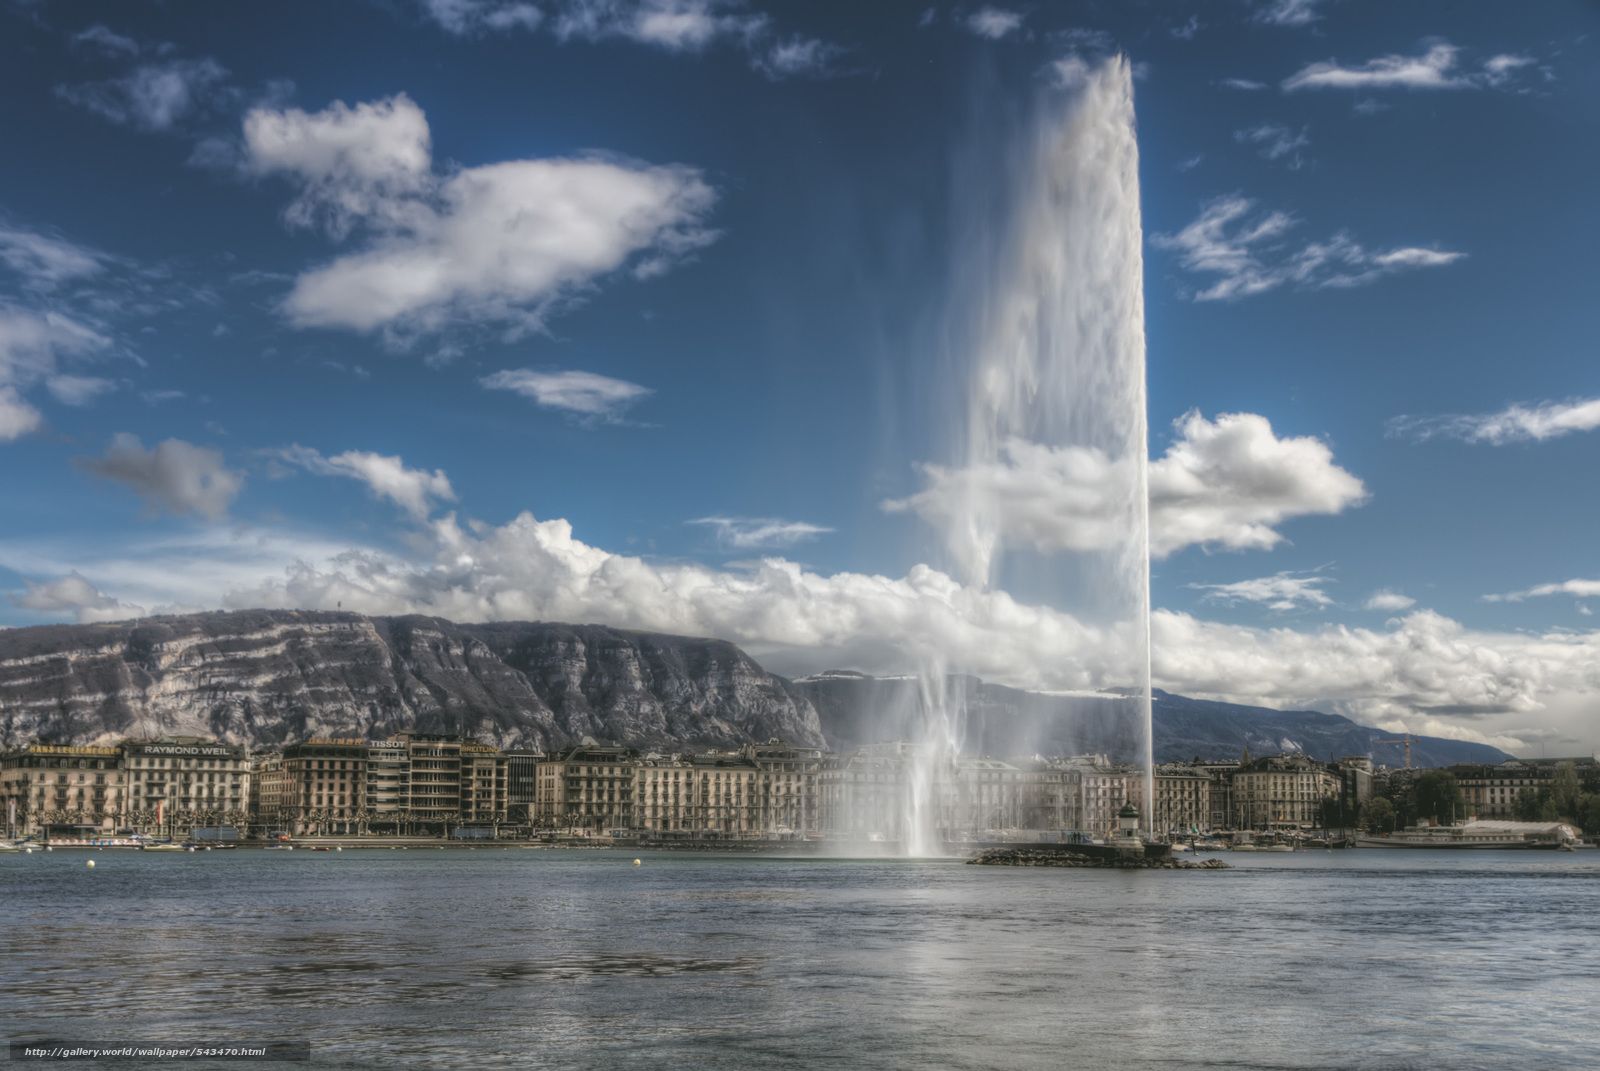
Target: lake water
[(490, 958)]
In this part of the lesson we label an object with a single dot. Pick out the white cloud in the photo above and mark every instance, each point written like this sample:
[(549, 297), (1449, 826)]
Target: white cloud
[(798, 56), (1231, 481), (1242, 84), (584, 393), (1423, 672), (78, 390), (1250, 253), (754, 533), (1498, 70), (1187, 30), (1389, 601), (173, 475), (72, 594), (1226, 483), (679, 26), (43, 261), (1281, 591), (353, 164), (104, 40), (496, 244), (1274, 141), (1437, 68), (994, 22), (1514, 424), (416, 491), (1293, 13), (1584, 610), (17, 417), (154, 96), (32, 346), (465, 18), (1583, 589)]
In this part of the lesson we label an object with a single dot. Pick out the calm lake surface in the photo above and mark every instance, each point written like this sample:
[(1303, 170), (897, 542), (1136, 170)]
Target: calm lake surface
[(519, 958)]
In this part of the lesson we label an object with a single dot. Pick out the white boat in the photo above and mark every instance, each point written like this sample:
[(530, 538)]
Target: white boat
[(1478, 835), (162, 848)]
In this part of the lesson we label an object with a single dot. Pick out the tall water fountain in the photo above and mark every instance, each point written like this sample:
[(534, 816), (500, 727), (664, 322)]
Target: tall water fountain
[(1048, 487)]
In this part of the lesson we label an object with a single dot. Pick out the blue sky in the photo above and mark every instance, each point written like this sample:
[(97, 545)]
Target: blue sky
[(586, 310)]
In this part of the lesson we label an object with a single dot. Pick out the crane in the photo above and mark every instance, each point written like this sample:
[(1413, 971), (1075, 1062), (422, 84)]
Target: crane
[(1404, 738)]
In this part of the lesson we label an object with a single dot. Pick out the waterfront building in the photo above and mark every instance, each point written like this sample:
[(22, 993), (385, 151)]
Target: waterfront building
[(522, 770), (483, 785), (176, 783), (388, 790), (1493, 791), (786, 787), (587, 788), (1282, 790), (73, 789), (324, 785), (1182, 800)]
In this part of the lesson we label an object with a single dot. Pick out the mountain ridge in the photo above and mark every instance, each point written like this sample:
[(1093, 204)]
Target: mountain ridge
[(266, 677)]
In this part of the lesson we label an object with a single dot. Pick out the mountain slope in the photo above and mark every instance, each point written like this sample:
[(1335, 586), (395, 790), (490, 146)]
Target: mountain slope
[(268, 676)]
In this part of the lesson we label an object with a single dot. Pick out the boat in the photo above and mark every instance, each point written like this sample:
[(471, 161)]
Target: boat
[(7, 846), (164, 847), (1475, 835)]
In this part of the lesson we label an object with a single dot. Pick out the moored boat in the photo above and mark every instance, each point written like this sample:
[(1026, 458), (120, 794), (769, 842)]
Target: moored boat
[(1477, 835)]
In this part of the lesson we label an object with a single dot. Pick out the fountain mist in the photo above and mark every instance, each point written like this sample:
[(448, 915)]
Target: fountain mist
[(1048, 489)]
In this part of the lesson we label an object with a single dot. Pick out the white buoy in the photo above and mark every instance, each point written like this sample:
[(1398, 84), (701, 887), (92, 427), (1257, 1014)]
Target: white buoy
[(339, 848), (91, 864), (638, 862)]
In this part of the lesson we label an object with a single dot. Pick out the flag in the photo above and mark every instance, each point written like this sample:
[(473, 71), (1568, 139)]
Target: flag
[(160, 810)]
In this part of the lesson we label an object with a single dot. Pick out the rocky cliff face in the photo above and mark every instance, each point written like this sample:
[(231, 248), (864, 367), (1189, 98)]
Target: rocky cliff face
[(264, 677)]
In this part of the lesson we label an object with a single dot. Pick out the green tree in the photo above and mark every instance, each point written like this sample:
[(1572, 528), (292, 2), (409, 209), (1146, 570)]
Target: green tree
[(1589, 814), (1528, 805), (1565, 791), (1437, 796), (1379, 814)]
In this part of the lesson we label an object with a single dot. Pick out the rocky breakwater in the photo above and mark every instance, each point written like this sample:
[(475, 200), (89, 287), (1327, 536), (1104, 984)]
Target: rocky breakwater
[(1066, 857)]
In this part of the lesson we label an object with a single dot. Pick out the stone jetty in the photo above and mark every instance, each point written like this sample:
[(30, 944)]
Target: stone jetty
[(1065, 857)]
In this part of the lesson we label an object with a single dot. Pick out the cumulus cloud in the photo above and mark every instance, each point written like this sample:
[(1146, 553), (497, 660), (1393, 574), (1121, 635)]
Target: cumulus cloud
[(1280, 591), (1243, 84), (173, 475), (1250, 252), (756, 533), (588, 394), (1583, 589), (1389, 601), (496, 244), (994, 22), (416, 491), (1274, 141), (74, 595), (1422, 671), (352, 164), (1436, 68), (1226, 483), (1514, 424), (1291, 13), (153, 96)]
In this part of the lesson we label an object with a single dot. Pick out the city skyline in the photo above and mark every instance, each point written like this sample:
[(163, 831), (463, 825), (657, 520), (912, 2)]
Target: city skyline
[(627, 314)]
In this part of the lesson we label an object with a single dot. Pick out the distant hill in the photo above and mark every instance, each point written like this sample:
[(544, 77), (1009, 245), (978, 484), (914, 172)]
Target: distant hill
[(264, 677), (998, 720)]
